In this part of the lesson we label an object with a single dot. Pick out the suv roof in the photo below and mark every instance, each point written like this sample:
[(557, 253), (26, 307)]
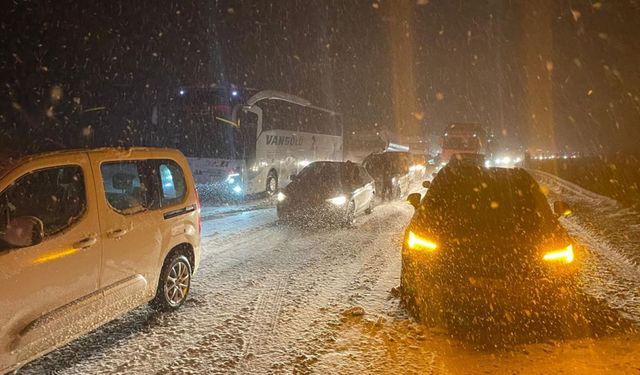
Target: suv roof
[(7, 163)]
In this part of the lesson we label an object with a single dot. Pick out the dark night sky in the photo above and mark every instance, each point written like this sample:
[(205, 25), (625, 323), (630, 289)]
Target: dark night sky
[(411, 66)]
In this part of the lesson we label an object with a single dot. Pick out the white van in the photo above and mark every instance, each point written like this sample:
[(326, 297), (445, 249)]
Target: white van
[(88, 235)]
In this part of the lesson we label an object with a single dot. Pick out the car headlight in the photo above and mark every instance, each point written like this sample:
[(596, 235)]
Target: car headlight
[(338, 201), (280, 197), (562, 255), (231, 178), (420, 243)]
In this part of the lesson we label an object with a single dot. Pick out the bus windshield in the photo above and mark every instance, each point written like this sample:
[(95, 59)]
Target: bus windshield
[(198, 122)]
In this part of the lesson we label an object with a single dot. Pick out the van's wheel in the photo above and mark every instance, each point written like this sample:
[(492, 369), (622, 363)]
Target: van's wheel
[(272, 183), (174, 284)]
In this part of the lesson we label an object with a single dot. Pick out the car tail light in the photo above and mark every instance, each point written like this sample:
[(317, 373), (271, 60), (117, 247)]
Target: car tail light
[(420, 243), (561, 255)]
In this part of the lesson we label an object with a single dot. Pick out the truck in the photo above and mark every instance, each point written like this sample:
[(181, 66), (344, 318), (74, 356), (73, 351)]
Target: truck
[(466, 140)]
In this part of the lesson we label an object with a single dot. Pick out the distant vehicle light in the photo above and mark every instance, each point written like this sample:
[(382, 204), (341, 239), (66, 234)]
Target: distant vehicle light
[(338, 201), (234, 93), (303, 163), (487, 163), (181, 92), (418, 243), (237, 189), (281, 197), (231, 178), (565, 255), (417, 168)]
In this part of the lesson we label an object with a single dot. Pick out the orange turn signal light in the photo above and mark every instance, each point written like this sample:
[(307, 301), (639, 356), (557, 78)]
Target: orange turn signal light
[(419, 243)]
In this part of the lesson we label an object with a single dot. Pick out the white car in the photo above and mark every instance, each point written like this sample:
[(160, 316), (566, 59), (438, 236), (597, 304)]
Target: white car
[(88, 235)]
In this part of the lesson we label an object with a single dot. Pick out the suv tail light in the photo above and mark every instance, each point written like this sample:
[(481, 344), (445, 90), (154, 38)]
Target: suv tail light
[(198, 208)]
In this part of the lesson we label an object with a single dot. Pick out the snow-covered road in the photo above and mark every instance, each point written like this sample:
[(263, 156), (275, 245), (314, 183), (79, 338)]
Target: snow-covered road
[(273, 298)]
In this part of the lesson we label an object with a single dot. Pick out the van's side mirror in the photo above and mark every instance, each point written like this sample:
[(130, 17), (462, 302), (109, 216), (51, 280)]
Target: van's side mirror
[(24, 231), (561, 208), (414, 199), (426, 184)]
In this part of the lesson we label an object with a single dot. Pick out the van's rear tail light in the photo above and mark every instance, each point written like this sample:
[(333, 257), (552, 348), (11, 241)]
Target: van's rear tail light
[(199, 212)]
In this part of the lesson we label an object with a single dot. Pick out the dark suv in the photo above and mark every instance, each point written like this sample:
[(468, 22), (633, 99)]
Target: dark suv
[(484, 243)]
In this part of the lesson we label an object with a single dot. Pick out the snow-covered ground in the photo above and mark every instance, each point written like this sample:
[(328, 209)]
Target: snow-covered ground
[(273, 298)]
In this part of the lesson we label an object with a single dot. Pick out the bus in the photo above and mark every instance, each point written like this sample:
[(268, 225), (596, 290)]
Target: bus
[(282, 134), (237, 147), (463, 140)]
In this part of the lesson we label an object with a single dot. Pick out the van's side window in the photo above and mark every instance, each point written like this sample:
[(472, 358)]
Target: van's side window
[(172, 183), (128, 186), (56, 196)]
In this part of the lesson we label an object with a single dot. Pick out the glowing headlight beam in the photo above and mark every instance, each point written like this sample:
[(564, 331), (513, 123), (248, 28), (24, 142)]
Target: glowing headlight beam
[(338, 201), (416, 242), (280, 197), (565, 255)]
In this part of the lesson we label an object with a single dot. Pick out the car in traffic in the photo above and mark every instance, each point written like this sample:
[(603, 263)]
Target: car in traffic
[(327, 192), (88, 235), (392, 172), (484, 245)]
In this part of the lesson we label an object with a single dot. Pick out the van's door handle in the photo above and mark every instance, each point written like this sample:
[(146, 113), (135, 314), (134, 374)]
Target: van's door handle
[(117, 233), (85, 243)]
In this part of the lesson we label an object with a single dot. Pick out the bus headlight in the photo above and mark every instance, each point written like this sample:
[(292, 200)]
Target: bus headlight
[(338, 201), (231, 178), (280, 197)]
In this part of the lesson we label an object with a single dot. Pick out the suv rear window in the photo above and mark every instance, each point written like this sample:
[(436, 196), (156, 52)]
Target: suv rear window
[(497, 200), (172, 182)]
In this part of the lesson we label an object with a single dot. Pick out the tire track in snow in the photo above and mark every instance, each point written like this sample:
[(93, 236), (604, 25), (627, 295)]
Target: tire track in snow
[(264, 324), (303, 278)]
